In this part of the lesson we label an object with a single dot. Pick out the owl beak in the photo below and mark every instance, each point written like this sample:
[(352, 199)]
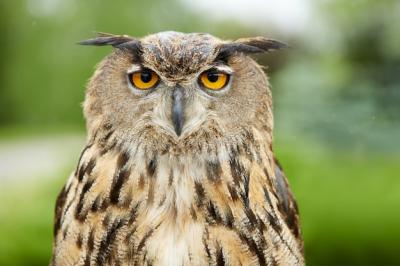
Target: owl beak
[(177, 110)]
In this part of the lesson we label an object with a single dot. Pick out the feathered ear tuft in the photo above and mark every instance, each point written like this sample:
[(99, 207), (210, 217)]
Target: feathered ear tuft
[(250, 46), (117, 41)]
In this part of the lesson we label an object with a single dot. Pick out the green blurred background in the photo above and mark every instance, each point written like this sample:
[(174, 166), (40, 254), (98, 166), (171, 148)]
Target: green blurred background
[(337, 110)]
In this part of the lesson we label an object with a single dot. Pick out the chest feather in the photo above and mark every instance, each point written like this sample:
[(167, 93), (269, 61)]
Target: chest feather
[(172, 210)]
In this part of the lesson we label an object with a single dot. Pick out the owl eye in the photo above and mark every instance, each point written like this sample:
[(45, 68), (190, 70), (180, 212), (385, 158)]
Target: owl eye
[(144, 79), (214, 80)]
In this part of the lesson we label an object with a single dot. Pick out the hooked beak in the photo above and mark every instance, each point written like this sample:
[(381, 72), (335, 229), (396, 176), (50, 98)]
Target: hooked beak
[(177, 110)]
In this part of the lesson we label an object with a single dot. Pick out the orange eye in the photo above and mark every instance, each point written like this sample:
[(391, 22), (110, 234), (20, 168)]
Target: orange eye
[(214, 80), (144, 79)]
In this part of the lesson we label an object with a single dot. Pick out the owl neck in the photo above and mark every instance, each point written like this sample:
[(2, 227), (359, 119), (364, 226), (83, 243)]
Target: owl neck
[(185, 180)]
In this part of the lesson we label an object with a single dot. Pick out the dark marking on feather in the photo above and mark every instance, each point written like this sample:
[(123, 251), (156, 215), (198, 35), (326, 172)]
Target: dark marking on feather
[(277, 228), (233, 192), (229, 219), (142, 242), (87, 259), (268, 177), (86, 169), (151, 167), (89, 168), (107, 126), (174, 209), (200, 192), (80, 157), (213, 216), (219, 256), (267, 197), (190, 255), (213, 170), (86, 188), (133, 214), (253, 247), (150, 193), (282, 190), (106, 242), (122, 160), (96, 204), (274, 222), (261, 225), (261, 239), (60, 203), (120, 176), (108, 135), (294, 223), (65, 232), (141, 181), (107, 147), (79, 215), (106, 220), (251, 217), (66, 209), (240, 176), (193, 213), (205, 238), (81, 172), (170, 178), (246, 183), (128, 238), (162, 200), (90, 243), (118, 181), (104, 204), (79, 241)]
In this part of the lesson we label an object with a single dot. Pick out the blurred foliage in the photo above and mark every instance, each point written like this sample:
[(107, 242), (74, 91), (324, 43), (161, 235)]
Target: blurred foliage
[(336, 95), (343, 88), (26, 222), (347, 207)]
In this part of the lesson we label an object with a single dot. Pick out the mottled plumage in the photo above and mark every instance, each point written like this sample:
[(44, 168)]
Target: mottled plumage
[(146, 193)]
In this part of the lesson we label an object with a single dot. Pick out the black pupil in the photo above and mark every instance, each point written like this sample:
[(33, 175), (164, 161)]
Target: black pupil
[(212, 77), (145, 76)]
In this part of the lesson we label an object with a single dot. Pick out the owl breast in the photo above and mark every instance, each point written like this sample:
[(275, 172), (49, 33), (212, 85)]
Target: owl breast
[(161, 208)]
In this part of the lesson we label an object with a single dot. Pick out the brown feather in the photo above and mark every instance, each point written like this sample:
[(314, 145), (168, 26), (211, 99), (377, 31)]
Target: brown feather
[(142, 195)]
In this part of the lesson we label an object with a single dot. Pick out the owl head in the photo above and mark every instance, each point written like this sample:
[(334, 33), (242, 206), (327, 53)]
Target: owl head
[(178, 91)]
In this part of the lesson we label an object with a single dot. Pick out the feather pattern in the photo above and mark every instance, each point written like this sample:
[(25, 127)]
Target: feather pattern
[(214, 194), (233, 209)]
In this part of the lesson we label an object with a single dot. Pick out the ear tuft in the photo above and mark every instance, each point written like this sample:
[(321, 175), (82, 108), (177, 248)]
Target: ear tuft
[(109, 39), (262, 43), (250, 46)]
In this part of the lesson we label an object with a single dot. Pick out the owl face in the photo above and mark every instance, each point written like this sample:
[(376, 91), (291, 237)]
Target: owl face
[(175, 86)]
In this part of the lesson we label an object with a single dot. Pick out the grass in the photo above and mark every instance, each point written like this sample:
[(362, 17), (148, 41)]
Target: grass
[(349, 205)]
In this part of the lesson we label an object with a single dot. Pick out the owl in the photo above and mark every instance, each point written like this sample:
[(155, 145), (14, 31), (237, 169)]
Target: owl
[(178, 168)]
